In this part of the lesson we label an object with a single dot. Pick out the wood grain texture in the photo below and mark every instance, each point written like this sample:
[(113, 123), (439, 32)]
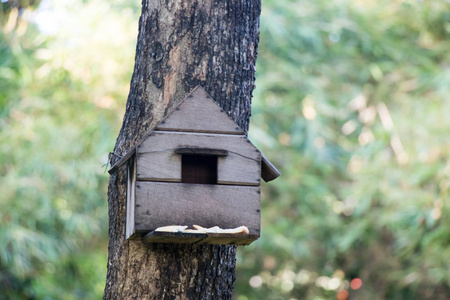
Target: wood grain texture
[(173, 237), (229, 239), (199, 113), (162, 165), (199, 238), (163, 204), (158, 160)]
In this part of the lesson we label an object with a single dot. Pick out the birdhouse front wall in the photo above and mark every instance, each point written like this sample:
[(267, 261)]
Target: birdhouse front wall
[(159, 194), (206, 205), (159, 158)]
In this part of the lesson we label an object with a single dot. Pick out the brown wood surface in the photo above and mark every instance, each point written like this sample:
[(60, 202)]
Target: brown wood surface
[(201, 151), (160, 165), (229, 239), (158, 160), (199, 238), (162, 204), (268, 171), (173, 237), (199, 113)]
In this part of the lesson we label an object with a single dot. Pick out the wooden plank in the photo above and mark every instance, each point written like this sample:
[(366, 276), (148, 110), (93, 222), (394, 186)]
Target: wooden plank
[(131, 184), (199, 238), (173, 237), (158, 160), (229, 239), (268, 171), (162, 204), (159, 165), (199, 113), (201, 151)]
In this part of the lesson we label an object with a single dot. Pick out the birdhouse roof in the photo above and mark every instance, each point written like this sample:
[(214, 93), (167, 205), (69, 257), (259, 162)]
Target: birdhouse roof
[(199, 113)]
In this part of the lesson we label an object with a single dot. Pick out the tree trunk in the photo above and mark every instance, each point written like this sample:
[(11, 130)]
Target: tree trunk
[(181, 44)]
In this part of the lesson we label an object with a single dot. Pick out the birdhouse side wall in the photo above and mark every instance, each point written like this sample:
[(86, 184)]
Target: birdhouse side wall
[(131, 197)]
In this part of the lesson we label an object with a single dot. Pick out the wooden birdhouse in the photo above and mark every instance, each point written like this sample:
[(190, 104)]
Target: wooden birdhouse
[(196, 167)]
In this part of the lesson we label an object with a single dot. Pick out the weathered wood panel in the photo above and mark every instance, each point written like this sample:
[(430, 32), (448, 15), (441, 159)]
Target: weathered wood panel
[(199, 238), (131, 184), (173, 237), (158, 160), (202, 151), (229, 239), (163, 204), (199, 113), (160, 165), (268, 171)]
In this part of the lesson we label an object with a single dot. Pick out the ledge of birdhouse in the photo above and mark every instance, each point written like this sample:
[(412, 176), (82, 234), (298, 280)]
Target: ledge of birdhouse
[(199, 238)]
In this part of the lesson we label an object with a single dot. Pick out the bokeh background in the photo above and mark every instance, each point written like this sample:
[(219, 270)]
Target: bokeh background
[(351, 104)]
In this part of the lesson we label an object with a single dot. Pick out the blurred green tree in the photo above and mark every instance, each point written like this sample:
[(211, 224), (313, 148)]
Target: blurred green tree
[(351, 103), (57, 116), (352, 96)]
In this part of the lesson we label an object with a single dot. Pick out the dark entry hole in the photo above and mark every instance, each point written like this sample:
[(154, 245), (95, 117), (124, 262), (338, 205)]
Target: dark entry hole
[(199, 169)]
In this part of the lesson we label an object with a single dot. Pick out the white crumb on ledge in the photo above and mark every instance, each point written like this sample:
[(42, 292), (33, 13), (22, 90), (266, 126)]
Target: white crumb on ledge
[(200, 229), (217, 229), (171, 228)]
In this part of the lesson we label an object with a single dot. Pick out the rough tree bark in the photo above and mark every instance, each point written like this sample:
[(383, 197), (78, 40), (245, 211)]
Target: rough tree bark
[(181, 44)]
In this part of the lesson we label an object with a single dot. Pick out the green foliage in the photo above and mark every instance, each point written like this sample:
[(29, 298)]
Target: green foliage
[(351, 105), (59, 116)]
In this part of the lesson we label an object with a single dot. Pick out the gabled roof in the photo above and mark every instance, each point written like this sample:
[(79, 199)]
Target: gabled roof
[(199, 113)]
